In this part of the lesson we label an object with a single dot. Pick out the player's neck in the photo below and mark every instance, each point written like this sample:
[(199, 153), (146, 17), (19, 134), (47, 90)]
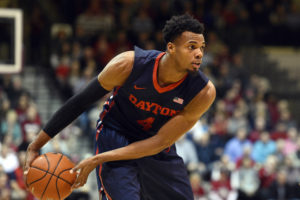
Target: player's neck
[(167, 73)]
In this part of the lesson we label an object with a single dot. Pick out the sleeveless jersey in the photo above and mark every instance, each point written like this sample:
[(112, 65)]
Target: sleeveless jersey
[(140, 107)]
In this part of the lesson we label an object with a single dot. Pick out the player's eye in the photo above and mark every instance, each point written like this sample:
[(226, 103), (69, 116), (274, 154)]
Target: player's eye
[(192, 47)]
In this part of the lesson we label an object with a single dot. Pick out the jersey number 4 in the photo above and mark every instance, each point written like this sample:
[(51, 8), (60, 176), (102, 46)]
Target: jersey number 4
[(146, 123)]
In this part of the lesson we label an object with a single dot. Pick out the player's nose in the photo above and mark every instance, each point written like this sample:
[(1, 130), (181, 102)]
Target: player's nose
[(198, 54)]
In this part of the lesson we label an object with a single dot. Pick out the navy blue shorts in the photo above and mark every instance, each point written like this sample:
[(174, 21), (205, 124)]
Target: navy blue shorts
[(159, 177)]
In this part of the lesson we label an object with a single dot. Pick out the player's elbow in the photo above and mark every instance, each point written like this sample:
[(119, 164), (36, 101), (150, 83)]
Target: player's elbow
[(162, 143)]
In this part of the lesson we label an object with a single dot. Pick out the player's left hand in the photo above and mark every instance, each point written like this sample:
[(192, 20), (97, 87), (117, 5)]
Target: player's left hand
[(83, 169)]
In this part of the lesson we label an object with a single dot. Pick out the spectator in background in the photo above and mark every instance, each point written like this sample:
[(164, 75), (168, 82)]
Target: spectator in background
[(259, 127), (246, 155), (77, 53), (12, 127), (221, 188), (290, 144), (235, 147), (57, 145), (279, 153), (5, 191), (223, 164), (280, 189), (75, 74), (121, 44), (267, 174), (293, 171), (297, 153), (95, 19), (186, 149), (159, 41), (38, 29), (246, 180), (15, 91), (19, 171), (231, 99), (236, 122), (62, 67), (8, 141), (286, 119), (32, 122), (87, 75), (272, 103), (142, 23), (88, 59), (238, 69), (279, 131), (23, 104), (9, 161), (259, 109), (103, 51), (207, 151), (197, 186), (263, 148), (219, 125), (124, 18)]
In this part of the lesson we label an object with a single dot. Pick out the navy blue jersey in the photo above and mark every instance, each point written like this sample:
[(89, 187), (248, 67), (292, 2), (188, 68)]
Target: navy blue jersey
[(140, 107)]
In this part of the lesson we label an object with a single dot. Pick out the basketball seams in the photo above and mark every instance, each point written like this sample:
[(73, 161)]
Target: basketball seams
[(58, 165), (57, 176), (42, 170), (52, 174)]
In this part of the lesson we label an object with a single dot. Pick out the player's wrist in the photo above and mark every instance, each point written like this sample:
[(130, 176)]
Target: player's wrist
[(33, 148), (97, 160)]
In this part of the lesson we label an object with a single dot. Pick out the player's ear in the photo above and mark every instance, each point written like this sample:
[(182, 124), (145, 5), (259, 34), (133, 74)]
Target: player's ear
[(171, 47)]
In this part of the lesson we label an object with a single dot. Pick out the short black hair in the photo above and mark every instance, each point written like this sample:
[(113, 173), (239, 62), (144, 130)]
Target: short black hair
[(180, 23)]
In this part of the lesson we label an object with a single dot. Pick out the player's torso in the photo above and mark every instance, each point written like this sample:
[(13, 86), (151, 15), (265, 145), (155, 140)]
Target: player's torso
[(141, 107)]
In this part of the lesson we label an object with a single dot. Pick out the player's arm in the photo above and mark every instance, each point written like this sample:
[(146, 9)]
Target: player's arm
[(169, 133), (166, 136), (114, 74)]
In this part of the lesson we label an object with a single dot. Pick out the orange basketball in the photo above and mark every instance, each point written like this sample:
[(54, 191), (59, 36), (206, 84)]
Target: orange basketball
[(49, 176)]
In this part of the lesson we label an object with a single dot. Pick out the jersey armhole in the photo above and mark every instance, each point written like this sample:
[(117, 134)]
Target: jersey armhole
[(140, 59)]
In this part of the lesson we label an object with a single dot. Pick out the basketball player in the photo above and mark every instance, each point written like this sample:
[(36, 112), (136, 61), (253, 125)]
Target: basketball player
[(157, 97)]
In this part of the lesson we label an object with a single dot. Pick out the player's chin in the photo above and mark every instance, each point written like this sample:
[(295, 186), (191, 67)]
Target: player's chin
[(193, 71)]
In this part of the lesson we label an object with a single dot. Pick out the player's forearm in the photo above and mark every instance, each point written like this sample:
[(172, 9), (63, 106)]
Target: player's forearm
[(166, 137), (135, 150), (41, 139), (74, 107)]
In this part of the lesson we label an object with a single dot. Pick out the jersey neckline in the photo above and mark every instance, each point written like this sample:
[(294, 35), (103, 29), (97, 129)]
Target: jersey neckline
[(157, 87)]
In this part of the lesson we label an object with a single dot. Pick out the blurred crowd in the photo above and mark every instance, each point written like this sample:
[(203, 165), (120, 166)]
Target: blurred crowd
[(246, 147)]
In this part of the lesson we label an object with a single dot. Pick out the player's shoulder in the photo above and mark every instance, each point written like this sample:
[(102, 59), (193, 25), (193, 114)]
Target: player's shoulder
[(117, 70), (208, 92), (124, 57), (142, 53)]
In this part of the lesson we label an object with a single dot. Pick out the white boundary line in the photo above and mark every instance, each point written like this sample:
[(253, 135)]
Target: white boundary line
[(17, 15)]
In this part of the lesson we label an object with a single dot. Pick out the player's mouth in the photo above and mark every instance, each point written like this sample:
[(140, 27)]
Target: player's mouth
[(196, 65)]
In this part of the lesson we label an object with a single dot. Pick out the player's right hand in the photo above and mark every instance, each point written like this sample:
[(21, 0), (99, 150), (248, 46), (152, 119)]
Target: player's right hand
[(31, 154)]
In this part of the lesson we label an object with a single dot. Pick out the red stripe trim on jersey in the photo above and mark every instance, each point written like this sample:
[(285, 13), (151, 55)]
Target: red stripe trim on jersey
[(97, 135), (157, 87), (102, 115), (100, 169), (107, 195), (168, 149)]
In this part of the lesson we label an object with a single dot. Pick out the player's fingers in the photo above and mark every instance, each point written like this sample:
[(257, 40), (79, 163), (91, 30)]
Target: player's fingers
[(26, 168), (78, 183), (26, 171), (75, 169)]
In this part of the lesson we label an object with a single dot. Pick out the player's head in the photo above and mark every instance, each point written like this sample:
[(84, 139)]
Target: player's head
[(185, 41)]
